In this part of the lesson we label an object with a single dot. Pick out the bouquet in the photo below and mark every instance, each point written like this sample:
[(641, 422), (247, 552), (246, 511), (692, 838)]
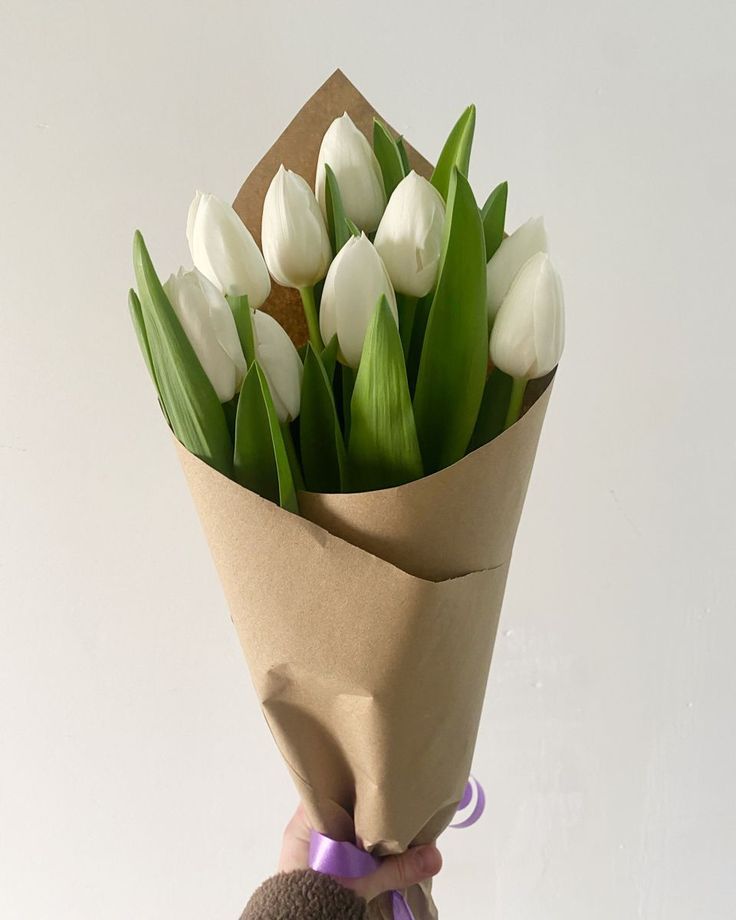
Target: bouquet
[(356, 406)]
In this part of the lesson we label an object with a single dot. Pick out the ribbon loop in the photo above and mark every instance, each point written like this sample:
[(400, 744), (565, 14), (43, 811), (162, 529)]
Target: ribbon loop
[(472, 788), (346, 860)]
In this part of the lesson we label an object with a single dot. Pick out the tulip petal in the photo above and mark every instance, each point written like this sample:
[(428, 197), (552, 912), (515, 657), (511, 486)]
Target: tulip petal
[(209, 325), (354, 282), (409, 237), (296, 246), (507, 261), (351, 157), (529, 331), (224, 251), (280, 363)]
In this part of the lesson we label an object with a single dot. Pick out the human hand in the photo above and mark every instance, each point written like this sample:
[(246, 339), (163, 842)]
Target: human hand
[(394, 874)]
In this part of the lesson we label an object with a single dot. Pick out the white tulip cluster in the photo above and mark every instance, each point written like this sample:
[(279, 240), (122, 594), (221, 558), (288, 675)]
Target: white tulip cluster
[(228, 262), (352, 252), (404, 256)]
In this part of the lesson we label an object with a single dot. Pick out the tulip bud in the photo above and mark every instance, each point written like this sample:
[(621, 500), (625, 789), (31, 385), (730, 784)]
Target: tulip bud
[(224, 251), (356, 169), (355, 281), (409, 237), (280, 363), (208, 323), (529, 333), (513, 252), (296, 246)]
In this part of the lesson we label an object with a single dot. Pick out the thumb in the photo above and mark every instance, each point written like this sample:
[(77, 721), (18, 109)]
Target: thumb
[(398, 872)]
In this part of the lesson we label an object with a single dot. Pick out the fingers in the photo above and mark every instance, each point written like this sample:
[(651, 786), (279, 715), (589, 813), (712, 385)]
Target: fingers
[(295, 844), (398, 872)]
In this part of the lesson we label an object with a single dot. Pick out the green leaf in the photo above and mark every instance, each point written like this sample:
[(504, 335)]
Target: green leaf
[(494, 218), (291, 453), (347, 384), (339, 227), (230, 409), (401, 147), (406, 306), (243, 316), (322, 446), (452, 369), (419, 327), (189, 399), (261, 461), (493, 408), (328, 357), (383, 449), (136, 314), (455, 153), (388, 156)]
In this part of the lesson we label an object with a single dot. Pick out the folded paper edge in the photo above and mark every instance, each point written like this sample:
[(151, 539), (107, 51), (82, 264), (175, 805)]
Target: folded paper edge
[(198, 467), (542, 392)]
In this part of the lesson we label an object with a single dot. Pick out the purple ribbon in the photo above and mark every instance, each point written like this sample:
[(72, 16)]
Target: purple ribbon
[(345, 860), (472, 786)]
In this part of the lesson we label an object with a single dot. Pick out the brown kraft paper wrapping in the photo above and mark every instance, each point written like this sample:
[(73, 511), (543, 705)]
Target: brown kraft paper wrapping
[(368, 623)]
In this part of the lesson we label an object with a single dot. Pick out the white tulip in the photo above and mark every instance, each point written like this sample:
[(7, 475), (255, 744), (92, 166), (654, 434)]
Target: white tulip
[(355, 281), (280, 363), (356, 169), (296, 246), (506, 261), (224, 251), (529, 333), (208, 322), (409, 237)]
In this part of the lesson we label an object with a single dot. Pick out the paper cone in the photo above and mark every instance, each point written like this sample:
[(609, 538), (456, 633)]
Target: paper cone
[(368, 623)]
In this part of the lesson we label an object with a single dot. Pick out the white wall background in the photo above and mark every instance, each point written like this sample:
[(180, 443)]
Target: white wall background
[(137, 778)]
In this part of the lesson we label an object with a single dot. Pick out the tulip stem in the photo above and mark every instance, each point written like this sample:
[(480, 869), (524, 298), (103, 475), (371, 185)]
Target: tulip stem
[(243, 317), (518, 388), (310, 314)]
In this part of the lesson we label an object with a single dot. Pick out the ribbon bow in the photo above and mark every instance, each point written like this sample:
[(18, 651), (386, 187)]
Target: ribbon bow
[(345, 860)]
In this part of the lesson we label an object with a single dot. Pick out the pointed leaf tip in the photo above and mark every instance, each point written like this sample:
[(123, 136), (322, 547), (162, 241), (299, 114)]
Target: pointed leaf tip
[(456, 151), (383, 448), (493, 215)]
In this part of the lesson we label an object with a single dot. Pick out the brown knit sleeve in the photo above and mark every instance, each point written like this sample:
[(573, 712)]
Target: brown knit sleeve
[(304, 895)]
